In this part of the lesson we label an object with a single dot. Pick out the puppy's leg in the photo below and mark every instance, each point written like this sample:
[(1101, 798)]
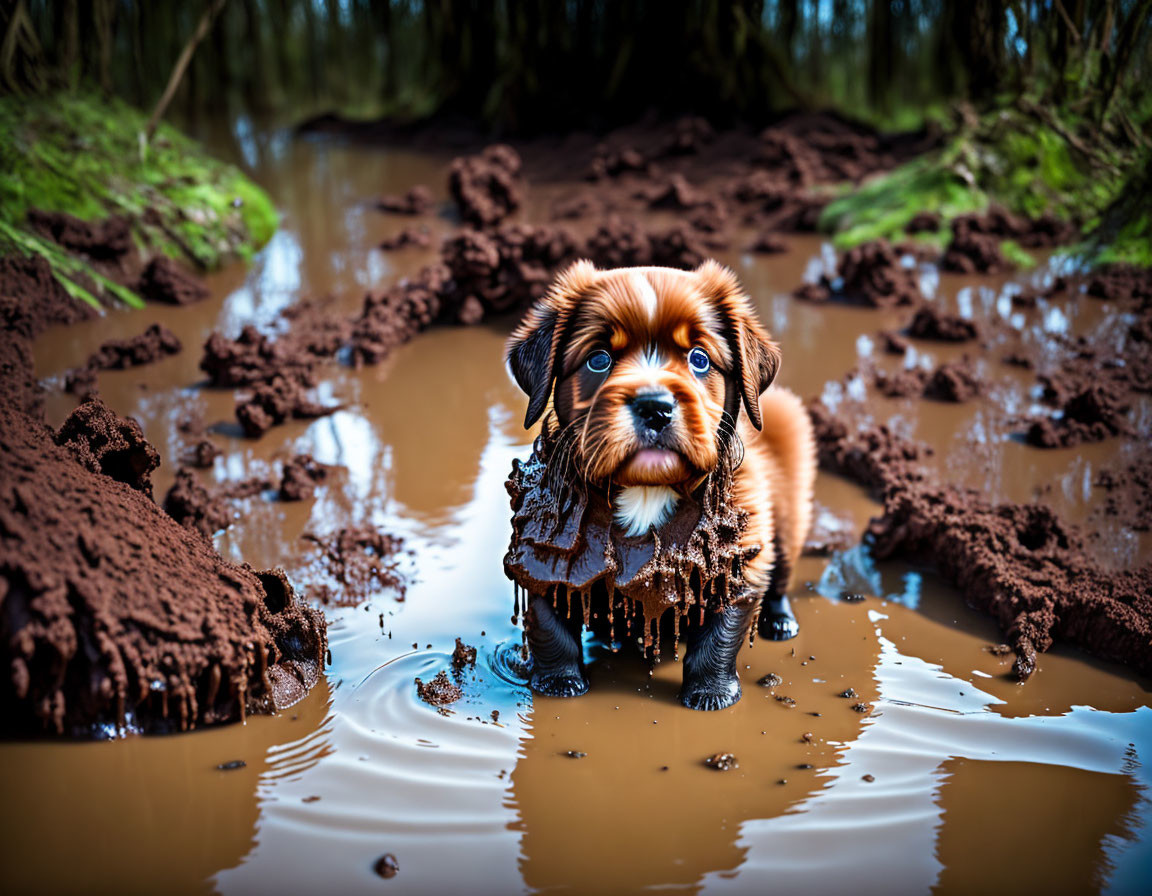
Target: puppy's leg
[(557, 657), (710, 679), (777, 621)]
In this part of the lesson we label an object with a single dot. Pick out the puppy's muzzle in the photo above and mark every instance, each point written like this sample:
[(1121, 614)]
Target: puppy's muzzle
[(653, 411)]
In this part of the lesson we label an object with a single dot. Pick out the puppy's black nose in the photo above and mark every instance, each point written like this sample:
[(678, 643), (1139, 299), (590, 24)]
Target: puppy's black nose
[(654, 410)]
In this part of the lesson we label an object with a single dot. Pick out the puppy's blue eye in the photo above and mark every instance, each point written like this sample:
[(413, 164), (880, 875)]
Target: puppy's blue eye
[(599, 361), (699, 361)]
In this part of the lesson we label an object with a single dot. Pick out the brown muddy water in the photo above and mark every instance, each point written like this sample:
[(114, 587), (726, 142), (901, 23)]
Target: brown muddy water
[(957, 781)]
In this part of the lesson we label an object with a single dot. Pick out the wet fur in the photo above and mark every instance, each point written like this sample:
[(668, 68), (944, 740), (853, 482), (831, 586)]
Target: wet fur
[(649, 319)]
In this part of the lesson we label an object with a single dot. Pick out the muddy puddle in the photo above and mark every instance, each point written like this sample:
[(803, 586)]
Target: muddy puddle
[(937, 771)]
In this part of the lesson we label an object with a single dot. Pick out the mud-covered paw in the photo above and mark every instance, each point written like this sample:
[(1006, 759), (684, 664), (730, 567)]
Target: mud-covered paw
[(708, 696), (564, 684), (778, 626)]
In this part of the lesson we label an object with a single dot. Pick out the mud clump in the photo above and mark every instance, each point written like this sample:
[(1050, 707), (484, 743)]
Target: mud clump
[(502, 269), (202, 454), (359, 559), (154, 344), (486, 187), (191, 504), (440, 691), (113, 446), (974, 249), (1096, 413), (253, 357), (300, 477), (279, 399), (165, 281), (463, 655), (955, 381), (117, 619), (622, 243), (1018, 562), (390, 318), (1024, 566), (871, 274), (1117, 282), (416, 201), (107, 239), (932, 323), (32, 299)]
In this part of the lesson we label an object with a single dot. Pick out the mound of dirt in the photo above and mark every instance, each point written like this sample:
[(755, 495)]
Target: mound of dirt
[(955, 381), (165, 281), (486, 187), (300, 477), (153, 344), (191, 504), (116, 618), (930, 322), (105, 240), (31, 299), (871, 274), (103, 442), (1097, 412), (1018, 562)]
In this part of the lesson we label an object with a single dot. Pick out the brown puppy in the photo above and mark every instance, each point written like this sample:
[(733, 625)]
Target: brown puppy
[(646, 371)]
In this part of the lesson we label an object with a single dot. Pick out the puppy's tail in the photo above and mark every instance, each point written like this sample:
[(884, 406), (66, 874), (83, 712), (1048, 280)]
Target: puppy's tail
[(788, 434)]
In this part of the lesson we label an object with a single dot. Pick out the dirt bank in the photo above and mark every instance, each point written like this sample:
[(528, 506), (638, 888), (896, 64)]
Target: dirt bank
[(115, 618), (1018, 562)]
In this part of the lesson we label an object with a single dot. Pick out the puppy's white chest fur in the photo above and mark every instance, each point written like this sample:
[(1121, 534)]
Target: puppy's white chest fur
[(643, 507)]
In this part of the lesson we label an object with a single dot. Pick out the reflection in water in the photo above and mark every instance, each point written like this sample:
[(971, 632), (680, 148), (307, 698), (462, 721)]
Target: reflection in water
[(485, 797)]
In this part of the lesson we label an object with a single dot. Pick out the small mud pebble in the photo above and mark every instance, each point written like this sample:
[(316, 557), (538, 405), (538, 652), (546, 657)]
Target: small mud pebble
[(806, 737), (787, 701), (849, 692), (804, 766), (771, 680), (440, 691), (232, 765), (495, 715), (722, 762), (575, 754), (868, 778), (851, 598), (311, 799), (1001, 650), (387, 866), (861, 707)]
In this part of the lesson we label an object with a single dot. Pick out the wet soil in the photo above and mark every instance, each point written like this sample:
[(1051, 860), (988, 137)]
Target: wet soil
[(421, 446)]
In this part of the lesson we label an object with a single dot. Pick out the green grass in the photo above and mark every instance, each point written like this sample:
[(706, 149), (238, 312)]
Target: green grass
[(74, 153)]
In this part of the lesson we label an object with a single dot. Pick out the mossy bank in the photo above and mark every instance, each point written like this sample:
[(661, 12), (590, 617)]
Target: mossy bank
[(1025, 159), (84, 155)]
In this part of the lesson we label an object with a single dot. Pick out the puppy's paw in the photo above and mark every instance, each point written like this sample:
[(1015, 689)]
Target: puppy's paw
[(562, 684), (711, 695), (778, 626)]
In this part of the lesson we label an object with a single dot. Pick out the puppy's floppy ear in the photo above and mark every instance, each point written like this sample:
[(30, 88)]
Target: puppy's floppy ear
[(534, 346), (755, 357)]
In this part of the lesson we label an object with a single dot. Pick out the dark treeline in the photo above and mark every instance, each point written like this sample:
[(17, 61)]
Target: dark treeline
[(553, 64)]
